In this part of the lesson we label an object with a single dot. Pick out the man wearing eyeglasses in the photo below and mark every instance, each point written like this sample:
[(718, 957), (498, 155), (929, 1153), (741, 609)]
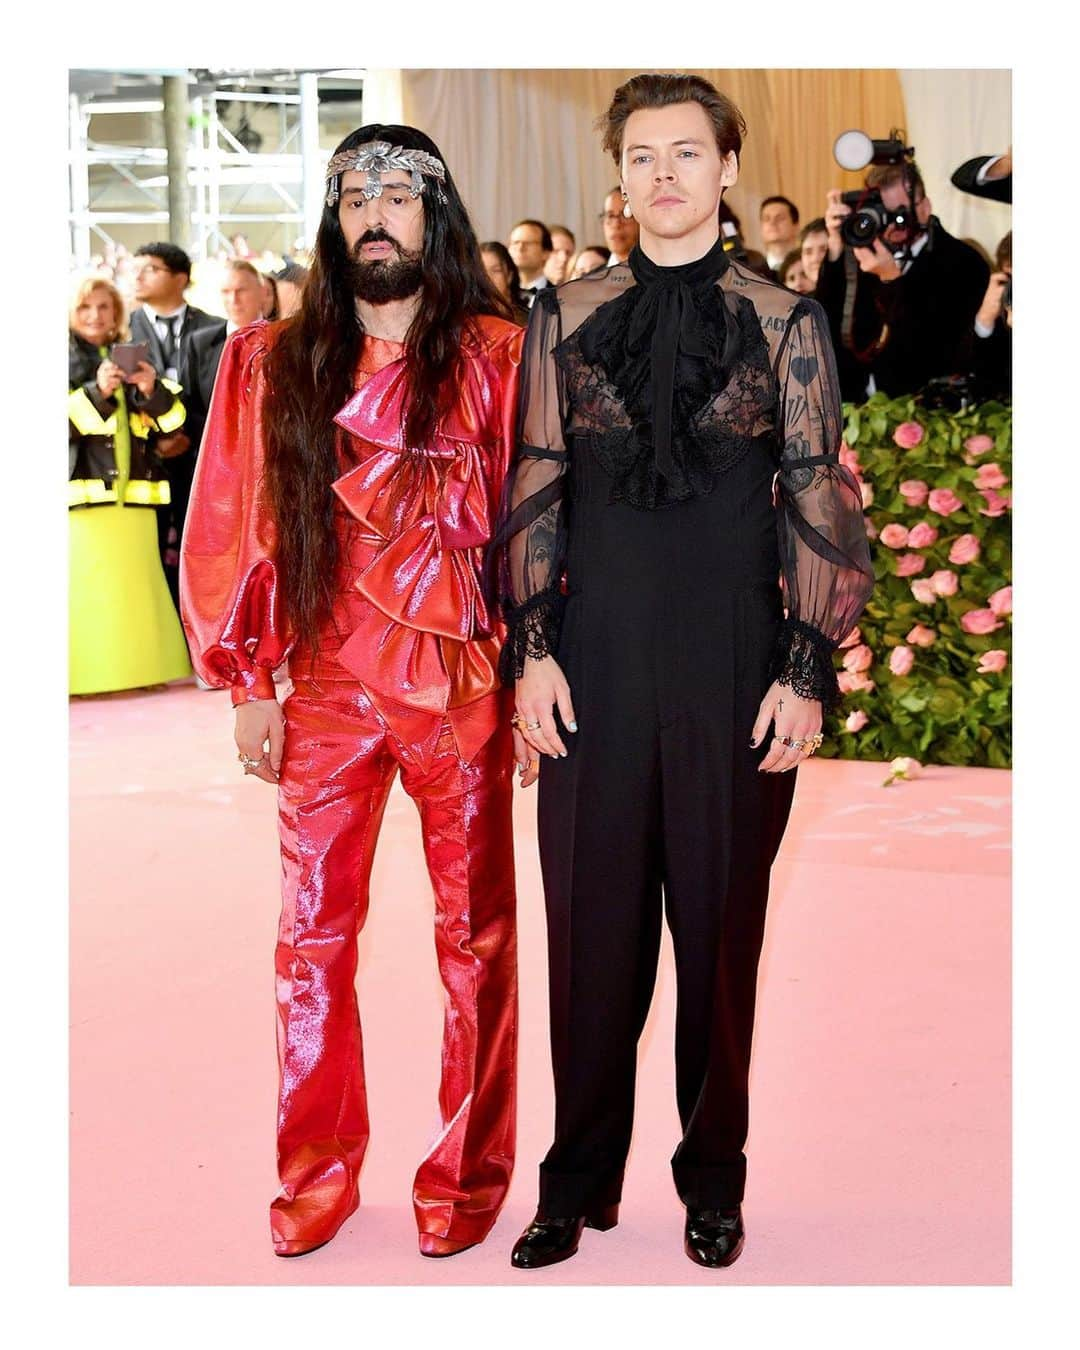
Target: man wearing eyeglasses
[(165, 323), (620, 230)]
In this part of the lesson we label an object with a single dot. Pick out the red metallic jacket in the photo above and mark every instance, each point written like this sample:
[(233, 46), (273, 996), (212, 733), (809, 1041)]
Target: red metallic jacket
[(409, 621)]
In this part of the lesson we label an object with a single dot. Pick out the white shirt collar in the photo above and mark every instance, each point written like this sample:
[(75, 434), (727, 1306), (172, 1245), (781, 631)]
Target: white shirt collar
[(156, 314)]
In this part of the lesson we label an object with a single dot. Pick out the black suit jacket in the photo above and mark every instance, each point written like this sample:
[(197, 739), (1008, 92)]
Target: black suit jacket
[(924, 320), (195, 321), (996, 189), (203, 359)]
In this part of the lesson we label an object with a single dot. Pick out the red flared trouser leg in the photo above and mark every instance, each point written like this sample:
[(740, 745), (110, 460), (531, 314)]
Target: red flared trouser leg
[(465, 811), (335, 778)]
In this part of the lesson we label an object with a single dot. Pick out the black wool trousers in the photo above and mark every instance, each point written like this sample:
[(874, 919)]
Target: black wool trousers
[(659, 810)]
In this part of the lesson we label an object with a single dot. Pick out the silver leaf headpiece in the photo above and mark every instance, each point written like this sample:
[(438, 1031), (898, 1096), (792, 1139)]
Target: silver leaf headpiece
[(379, 157)]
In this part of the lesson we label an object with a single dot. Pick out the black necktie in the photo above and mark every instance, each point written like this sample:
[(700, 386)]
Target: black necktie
[(169, 345)]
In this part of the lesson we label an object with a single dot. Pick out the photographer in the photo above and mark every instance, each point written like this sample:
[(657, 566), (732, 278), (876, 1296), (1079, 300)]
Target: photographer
[(915, 288), (993, 330)]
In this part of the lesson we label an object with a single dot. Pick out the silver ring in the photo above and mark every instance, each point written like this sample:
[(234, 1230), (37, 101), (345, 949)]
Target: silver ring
[(532, 726)]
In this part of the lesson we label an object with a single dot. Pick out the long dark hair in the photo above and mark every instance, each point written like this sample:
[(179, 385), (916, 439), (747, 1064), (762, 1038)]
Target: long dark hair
[(310, 371)]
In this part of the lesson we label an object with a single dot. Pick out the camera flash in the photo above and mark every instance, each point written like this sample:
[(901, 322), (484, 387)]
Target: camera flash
[(853, 150)]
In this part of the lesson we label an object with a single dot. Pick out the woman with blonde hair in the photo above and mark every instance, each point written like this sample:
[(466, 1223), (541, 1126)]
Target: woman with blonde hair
[(123, 629)]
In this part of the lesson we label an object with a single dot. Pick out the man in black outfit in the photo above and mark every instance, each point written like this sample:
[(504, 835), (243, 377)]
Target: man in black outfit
[(166, 324), (899, 318)]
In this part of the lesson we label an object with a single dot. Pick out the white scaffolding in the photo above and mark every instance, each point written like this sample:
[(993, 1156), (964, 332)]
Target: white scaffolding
[(221, 169)]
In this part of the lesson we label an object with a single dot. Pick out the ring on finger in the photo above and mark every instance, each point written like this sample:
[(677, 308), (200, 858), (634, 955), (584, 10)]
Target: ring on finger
[(532, 726)]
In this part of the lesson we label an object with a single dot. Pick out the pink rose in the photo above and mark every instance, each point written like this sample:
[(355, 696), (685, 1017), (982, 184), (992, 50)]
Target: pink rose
[(992, 662), (914, 491), (921, 636), (849, 458), (996, 503), (922, 535), (867, 491), (908, 435), (850, 683), (902, 769), (944, 501), (990, 476), (894, 536), (871, 529), (979, 621), (944, 582), (855, 721), (852, 639), (901, 660), (923, 591), (858, 659), (1001, 601), (965, 549), (977, 445), (908, 564)]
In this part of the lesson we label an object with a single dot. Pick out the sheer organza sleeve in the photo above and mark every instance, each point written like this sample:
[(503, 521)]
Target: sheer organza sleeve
[(230, 592), (529, 549), (824, 553)]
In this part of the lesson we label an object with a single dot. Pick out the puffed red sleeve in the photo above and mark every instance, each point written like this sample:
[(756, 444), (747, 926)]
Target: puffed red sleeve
[(230, 593)]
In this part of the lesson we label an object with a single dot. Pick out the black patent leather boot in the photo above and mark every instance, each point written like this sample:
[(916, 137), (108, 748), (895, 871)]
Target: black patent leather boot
[(714, 1237), (547, 1240)]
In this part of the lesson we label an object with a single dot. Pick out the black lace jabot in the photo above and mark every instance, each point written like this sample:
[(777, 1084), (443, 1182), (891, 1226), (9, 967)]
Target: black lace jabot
[(668, 346)]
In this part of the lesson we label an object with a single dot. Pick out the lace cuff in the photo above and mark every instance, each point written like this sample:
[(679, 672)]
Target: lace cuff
[(532, 630), (803, 660)]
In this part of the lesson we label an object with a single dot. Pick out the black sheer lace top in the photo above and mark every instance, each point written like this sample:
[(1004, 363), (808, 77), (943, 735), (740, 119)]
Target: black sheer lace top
[(669, 376)]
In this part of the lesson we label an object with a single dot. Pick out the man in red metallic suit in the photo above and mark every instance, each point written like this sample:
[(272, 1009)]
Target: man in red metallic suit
[(352, 462)]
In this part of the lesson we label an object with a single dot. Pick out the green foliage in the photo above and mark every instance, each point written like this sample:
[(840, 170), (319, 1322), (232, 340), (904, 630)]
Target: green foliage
[(943, 711)]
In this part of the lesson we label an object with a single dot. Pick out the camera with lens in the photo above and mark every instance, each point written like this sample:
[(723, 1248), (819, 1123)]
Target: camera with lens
[(870, 217)]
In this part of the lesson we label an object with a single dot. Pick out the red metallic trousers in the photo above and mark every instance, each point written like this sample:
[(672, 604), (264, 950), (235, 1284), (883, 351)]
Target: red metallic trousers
[(339, 763)]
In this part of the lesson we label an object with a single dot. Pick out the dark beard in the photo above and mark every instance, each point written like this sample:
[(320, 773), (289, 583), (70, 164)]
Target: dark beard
[(384, 279)]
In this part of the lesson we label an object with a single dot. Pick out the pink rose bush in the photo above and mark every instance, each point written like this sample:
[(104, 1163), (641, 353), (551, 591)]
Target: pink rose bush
[(908, 435), (926, 672)]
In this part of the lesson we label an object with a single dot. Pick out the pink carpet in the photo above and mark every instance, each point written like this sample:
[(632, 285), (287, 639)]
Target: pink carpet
[(879, 1147)]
